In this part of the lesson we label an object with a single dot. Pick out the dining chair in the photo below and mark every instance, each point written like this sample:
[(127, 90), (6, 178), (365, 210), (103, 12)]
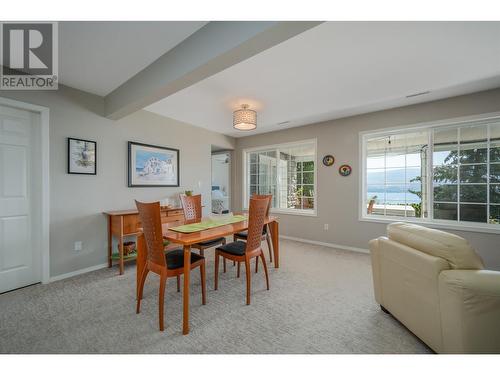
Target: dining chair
[(265, 233), (371, 204), (240, 251), (192, 214), (167, 264)]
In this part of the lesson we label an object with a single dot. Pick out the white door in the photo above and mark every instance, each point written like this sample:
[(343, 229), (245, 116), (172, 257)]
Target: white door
[(20, 256)]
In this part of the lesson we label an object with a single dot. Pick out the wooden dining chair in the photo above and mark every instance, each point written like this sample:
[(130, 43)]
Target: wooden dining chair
[(240, 251), (166, 265), (192, 214), (265, 233)]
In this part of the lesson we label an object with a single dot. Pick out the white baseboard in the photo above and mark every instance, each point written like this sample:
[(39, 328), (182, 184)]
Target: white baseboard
[(328, 244), (78, 272)]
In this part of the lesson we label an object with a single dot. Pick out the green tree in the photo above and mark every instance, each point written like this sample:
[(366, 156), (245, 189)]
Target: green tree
[(445, 179)]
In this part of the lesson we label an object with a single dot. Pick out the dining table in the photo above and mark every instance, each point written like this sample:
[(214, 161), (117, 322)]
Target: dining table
[(187, 239)]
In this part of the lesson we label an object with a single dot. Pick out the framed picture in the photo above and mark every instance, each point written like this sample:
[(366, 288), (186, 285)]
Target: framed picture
[(82, 156), (150, 165)]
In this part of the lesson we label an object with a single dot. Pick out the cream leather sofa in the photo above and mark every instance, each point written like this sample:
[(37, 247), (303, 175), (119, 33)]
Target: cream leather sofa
[(434, 283)]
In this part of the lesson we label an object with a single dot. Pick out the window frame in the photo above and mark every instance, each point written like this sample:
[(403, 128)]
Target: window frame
[(277, 147), (429, 221)]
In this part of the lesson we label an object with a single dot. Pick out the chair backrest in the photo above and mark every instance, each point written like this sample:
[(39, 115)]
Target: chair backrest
[(149, 213), (269, 197), (256, 218), (192, 207), (369, 210)]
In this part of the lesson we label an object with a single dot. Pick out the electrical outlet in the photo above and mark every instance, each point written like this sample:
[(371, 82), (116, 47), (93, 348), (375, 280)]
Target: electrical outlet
[(326, 226), (77, 246)]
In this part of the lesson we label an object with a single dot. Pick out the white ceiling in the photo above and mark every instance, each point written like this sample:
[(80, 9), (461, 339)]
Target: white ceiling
[(97, 57), (341, 69)]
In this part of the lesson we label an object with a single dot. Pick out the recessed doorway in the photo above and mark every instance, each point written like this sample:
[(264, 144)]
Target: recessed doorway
[(221, 181)]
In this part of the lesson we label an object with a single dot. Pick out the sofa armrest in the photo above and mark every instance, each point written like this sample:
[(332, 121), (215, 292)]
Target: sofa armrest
[(470, 311), (375, 257)]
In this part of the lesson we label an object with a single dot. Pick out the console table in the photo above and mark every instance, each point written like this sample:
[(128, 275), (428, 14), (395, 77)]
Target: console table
[(127, 223)]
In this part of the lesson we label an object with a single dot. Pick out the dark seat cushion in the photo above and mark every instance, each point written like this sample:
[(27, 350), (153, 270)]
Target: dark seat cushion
[(211, 243), (242, 234), (234, 248), (175, 258), (245, 233)]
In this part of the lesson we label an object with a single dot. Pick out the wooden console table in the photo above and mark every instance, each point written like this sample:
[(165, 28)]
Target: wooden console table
[(127, 223)]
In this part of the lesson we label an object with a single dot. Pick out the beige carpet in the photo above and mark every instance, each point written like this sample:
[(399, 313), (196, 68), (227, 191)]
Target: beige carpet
[(321, 301)]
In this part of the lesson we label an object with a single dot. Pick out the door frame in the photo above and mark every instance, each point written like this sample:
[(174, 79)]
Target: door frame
[(45, 204)]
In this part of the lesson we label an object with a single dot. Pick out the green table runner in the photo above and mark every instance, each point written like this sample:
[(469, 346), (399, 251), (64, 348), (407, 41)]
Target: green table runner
[(208, 224)]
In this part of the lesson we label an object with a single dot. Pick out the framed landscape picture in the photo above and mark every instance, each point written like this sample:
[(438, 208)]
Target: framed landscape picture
[(82, 156), (150, 165)]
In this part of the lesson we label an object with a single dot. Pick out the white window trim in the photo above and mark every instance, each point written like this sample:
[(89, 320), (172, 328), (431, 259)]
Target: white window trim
[(285, 211), (444, 224)]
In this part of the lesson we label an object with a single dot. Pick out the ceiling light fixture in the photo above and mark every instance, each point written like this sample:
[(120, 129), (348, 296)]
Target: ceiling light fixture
[(244, 118)]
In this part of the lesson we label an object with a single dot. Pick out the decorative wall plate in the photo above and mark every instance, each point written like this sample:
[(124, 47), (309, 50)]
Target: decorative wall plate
[(328, 160), (345, 170)]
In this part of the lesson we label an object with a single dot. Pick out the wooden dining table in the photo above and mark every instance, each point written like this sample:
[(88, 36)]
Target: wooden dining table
[(188, 239)]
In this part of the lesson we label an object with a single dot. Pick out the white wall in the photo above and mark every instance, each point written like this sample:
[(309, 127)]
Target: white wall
[(338, 196), (77, 201)]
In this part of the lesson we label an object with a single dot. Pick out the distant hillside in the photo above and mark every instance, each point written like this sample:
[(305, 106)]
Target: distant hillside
[(394, 176)]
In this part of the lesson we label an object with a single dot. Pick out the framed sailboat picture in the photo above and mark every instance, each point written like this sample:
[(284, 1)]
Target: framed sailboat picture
[(82, 156), (152, 166)]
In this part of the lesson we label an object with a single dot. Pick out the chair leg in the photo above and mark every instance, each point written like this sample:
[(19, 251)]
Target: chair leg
[(202, 252), (178, 283), (256, 264), (203, 284), (145, 272), (216, 272), (249, 279), (161, 299), (224, 259), (265, 269), (238, 271), (269, 246)]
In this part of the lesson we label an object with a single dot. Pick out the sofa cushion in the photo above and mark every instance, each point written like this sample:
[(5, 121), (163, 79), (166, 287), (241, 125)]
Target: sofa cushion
[(454, 249)]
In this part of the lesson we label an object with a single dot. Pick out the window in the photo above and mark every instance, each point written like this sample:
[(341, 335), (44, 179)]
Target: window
[(287, 171), (447, 173)]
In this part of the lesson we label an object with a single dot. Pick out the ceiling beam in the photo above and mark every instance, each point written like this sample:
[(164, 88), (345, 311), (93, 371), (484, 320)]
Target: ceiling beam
[(213, 48)]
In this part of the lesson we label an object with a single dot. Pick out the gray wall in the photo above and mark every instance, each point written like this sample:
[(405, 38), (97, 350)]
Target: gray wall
[(77, 202), (338, 196)]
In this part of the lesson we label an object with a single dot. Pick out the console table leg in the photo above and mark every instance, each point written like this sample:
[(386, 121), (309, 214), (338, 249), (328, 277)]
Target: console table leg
[(110, 242), (121, 255), (121, 245)]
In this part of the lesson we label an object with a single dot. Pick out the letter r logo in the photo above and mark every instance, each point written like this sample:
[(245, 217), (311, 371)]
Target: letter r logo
[(27, 48)]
